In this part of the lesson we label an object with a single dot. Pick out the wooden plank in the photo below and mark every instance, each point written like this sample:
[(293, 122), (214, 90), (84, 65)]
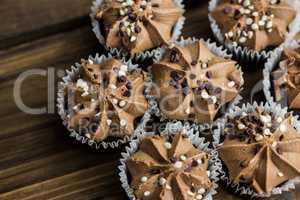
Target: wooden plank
[(25, 20)]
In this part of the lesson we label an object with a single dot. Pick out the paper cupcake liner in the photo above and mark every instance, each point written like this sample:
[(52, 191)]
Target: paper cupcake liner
[(213, 47), (244, 53), (70, 77), (243, 190), (215, 164), (140, 56), (270, 65)]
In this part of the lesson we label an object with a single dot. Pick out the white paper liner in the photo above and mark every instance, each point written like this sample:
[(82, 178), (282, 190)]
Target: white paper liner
[(217, 50), (269, 67), (269, 107), (70, 77), (244, 53), (171, 129), (140, 56)]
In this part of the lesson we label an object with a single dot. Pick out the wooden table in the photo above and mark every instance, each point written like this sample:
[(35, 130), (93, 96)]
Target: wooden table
[(37, 158)]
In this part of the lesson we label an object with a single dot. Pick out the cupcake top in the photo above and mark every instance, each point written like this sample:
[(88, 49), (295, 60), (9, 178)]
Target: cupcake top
[(169, 168), (255, 24), (286, 79), (137, 25), (105, 99), (193, 83), (261, 150)]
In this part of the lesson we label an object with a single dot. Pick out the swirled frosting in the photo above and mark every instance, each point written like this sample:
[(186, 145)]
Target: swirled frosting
[(193, 83), (169, 168), (105, 100), (138, 25), (286, 79), (256, 24), (261, 150)]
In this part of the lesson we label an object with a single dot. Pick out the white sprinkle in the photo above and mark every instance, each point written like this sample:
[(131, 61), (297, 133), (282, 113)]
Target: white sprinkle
[(123, 122), (273, 1), (283, 128), (269, 24), (241, 126), (269, 30), (178, 164), (122, 13), (265, 118), (199, 197), (251, 7), (246, 3), (255, 14), (254, 26), (204, 65), (124, 68), (183, 157), (230, 34), (108, 122), (112, 86), (204, 94), (272, 15), (201, 191), (168, 145), (188, 111), (274, 144), (90, 61), (82, 84), (267, 132), (242, 40), (85, 94), (249, 21), (147, 193), (126, 23), (121, 73), (122, 103), (250, 34), (280, 174), (114, 101), (162, 181), (234, 44), (279, 119), (231, 84), (261, 23), (98, 114), (259, 137), (88, 135), (214, 99), (190, 193), (199, 161), (168, 187), (244, 114), (247, 11), (144, 179), (208, 173), (264, 18), (133, 38)]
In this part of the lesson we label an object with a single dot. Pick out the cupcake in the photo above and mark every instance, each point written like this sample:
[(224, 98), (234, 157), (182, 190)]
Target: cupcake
[(193, 82), (169, 166), (136, 26), (259, 147), (286, 78), (103, 99), (254, 25)]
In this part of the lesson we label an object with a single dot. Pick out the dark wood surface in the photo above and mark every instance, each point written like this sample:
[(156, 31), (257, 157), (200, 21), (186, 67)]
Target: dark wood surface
[(37, 158)]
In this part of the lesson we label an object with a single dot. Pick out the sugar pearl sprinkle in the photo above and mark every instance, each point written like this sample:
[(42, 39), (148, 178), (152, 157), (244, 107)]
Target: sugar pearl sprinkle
[(254, 21), (168, 145), (144, 179)]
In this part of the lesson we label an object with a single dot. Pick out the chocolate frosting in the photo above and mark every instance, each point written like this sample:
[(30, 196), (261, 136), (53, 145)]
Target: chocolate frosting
[(286, 79), (169, 168), (261, 150), (138, 25), (105, 100), (256, 24), (193, 83)]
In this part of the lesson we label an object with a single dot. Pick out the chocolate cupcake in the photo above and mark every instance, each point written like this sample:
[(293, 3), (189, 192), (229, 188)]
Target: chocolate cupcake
[(255, 25), (281, 76), (136, 26), (194, 81), (169, 166), (102, 99), (259, 146)]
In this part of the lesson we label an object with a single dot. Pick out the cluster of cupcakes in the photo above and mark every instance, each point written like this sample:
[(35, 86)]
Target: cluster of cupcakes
[(159, 93)]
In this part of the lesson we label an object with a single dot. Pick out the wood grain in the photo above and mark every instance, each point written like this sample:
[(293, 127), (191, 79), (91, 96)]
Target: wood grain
[(37, 158)]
